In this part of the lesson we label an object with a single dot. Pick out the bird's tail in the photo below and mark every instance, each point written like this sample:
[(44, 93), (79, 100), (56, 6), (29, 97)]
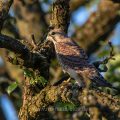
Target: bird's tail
[(116, 89), (101, 82)]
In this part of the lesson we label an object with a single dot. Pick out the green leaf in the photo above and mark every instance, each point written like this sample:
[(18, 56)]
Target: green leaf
[(39, 80), (12, 87), (42, 80), (103, 67), (65, 106), (28, 73)]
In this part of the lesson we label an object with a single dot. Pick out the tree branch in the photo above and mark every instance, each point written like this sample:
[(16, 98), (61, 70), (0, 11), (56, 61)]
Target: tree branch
[(4, 9), (25, 57), (60, 15), (68, 92)]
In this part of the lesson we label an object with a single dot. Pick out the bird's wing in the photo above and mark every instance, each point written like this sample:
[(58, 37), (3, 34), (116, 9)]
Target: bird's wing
[(71, 55), (72, 61), (77, 49)]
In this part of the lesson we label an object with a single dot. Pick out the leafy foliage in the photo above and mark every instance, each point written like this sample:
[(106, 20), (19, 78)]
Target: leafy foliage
[(12, 87), (39, 80), (65, 106), (28, 73), (113, 73), (34, 79)]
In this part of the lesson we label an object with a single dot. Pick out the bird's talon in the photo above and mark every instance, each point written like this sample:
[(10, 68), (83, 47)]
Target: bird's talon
[(67, 81)]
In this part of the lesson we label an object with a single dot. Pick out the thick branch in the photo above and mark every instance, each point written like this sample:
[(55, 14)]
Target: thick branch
[(60, 15), (27, 58), (67, 92)]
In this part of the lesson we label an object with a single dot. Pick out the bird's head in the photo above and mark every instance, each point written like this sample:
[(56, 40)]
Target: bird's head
[(55, 35)]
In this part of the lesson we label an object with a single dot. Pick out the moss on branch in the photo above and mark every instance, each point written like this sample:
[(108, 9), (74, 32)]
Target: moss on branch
[(70, 93), (60, 17)]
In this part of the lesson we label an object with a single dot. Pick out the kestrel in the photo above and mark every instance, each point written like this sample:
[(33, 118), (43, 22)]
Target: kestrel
[(74, 60)]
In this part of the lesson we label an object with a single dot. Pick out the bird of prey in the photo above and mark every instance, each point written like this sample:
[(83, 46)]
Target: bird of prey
[(74, 60)]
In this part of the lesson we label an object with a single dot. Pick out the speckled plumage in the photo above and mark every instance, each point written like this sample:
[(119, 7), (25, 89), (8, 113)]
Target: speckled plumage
[(74, 60)]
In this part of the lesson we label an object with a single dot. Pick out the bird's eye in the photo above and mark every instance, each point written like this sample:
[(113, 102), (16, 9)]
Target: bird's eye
[(53, 33)]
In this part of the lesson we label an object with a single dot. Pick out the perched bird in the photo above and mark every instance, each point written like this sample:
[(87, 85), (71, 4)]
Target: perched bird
[(74, 60)]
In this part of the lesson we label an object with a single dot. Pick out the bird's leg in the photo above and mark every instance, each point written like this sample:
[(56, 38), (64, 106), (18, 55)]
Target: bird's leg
[(80, 84), (68, 80), (61, 80), (99, 64)]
